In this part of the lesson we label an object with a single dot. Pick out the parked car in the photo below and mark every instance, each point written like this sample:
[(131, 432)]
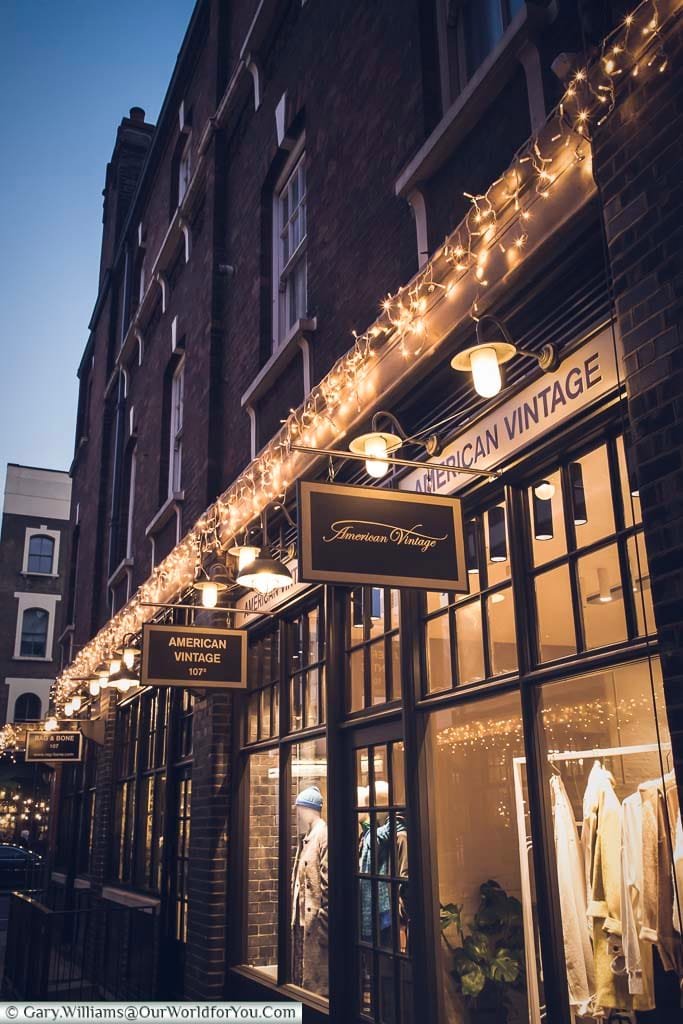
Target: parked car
[(19, 868)]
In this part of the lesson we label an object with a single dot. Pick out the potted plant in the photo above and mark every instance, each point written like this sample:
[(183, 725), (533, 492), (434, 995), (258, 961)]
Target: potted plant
[(488, 965)]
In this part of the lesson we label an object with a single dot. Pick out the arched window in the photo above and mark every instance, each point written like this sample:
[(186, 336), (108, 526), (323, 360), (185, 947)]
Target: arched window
[(41, 551), (34, 633), (27, 708)]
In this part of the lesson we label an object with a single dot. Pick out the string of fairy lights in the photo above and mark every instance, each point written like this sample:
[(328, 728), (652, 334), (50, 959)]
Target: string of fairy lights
[(475, 248)]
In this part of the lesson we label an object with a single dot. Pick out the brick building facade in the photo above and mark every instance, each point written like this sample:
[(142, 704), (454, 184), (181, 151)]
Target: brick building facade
[(33, 576), (307, 162)]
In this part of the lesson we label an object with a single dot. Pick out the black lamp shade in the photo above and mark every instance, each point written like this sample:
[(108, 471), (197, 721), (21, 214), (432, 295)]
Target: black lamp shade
[(471, 547), (577, 494), (498, 549), (543, 517)]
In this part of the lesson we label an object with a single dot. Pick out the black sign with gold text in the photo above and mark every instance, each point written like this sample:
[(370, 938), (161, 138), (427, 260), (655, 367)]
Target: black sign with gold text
[(193, 656), (54, 746), (360, 535)]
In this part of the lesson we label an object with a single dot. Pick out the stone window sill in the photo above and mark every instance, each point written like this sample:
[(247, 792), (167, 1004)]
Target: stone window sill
[(129, 898), (120, 572), (296, 340), (289, 991), (166, 512), (478, 95)]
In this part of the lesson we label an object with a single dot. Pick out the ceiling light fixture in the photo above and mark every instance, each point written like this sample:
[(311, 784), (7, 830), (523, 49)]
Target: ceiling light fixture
[(485, 359), (545, 490)]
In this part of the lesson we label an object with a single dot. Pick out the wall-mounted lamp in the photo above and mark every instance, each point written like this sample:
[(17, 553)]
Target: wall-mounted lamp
[(265, 574), (485, 359), (51, 724), (94, 687), (124, 679), (245, 555), (129, 652), (76, 703), (68, 709), (209, 586), (379, 444)]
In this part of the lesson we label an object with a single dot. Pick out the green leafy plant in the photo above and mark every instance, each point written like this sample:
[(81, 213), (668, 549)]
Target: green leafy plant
[(488, 964)]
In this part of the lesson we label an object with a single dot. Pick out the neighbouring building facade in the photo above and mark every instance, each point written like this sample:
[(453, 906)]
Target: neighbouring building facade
[(33, 569), (426, 805)]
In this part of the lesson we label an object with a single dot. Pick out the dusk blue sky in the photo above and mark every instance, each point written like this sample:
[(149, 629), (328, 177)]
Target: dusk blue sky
[(69, 71)]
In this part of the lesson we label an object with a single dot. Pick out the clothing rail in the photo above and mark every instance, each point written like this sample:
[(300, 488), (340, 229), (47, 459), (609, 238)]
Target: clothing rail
[(577, 755)]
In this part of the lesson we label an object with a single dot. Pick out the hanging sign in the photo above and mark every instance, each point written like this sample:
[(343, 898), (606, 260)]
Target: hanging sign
[(585, 375), (193, 656), (358, 535), (54, 746)]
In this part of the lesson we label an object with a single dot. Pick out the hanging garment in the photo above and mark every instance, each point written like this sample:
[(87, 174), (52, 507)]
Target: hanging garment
[(601, 839), (678, 876), (638, 959), (309, 911), (658, 874), (571, 879), (384, 840)]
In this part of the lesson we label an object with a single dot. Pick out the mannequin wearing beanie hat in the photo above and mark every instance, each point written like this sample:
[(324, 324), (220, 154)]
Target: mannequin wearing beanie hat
[(309, 894)]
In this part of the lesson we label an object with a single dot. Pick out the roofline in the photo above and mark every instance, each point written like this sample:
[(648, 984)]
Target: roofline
[(41, 469), (195, 18)]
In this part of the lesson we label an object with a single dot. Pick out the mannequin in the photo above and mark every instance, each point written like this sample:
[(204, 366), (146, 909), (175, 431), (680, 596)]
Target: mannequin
[(310, 894)]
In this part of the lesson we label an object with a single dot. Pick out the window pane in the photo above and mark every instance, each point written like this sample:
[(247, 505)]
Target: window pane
[(438, 645), (357, 676), (309, 870), (378, 681), (34, 633), (395, 642), (481, 843), (548, 538), (640, 581), (502, 638), (482, 27), (629, 484), (602, 601), (40, 554), (604, 771), (590, 497), (262, 862), (556, 636), (470, 644)]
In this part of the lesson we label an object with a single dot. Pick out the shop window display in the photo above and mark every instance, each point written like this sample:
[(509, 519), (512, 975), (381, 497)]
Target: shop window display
[(382, 885), (309, 874), (262, 862), (478, 822), (617, 830)]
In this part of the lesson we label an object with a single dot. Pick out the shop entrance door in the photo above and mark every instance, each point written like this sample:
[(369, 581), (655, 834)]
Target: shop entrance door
[(378, 879)]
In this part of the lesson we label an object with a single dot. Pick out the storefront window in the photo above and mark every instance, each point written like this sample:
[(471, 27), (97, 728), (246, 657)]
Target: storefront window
[(616, 820), (309, 883), (306, 668), (263, 676), (590, 575), (262, 861), (373, 647), (477, 810), (471, 637), (384, 987)]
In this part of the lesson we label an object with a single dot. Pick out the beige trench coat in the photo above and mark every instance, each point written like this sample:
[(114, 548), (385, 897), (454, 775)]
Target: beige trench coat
[(309, 911)]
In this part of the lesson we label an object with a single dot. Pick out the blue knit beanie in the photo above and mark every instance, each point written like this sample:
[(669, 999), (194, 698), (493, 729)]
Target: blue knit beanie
[(310, 797)]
